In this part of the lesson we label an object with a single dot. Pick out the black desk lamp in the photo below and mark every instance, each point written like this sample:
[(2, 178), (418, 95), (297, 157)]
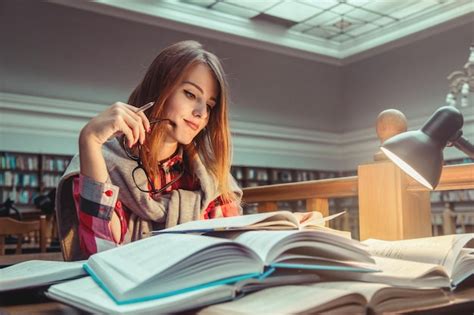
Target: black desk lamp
[(419, 153)]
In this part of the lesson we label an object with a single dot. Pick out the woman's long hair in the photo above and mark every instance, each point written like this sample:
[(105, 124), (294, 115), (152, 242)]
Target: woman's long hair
[(213, 143)]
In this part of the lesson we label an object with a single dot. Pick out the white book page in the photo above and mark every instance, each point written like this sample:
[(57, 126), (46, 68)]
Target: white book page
[(143, 259), (235, 222), (367, 289), (407, 268), (289, 299), (464, 266), (267, 243), (87, 295), (439, 250), (404, 273), (314, 219), (262, 242), (385, 298), (38, 272)]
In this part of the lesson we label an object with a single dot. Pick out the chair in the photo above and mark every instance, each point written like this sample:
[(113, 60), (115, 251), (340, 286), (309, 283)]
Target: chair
[(67, 222), (9, 226)]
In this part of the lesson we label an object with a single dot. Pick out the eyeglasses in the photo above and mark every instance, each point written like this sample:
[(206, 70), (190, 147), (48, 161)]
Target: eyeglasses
[(140, 176)]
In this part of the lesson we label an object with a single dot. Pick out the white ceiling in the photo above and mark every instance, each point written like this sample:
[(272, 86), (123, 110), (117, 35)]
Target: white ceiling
[(326, 30)]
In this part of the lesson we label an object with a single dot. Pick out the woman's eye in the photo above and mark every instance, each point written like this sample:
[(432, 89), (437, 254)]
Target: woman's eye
[(189, 94)]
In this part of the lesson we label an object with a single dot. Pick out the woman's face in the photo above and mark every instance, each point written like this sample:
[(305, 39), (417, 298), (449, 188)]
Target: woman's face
[(191, 103)]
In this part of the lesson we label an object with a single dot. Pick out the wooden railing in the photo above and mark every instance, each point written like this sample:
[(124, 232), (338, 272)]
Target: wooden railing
[(391, 204), (315, 192)]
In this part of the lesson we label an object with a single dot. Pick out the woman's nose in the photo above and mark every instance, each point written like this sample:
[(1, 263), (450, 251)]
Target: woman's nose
[(200, 110)]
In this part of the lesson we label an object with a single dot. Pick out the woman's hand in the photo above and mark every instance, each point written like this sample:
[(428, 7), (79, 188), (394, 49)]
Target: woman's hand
[(119, 118)]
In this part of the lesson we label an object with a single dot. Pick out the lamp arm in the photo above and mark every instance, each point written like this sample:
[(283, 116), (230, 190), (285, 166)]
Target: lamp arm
[(465, 146)]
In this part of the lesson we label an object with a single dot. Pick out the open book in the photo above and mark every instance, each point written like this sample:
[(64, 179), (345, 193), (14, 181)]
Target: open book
[(440, 261), (451, 255), (168, 264), (85, 294), (38, 272), (278, 220), (343, 297)]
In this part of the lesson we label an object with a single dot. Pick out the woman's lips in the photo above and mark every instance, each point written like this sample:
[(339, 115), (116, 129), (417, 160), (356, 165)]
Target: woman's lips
[(192, 125)]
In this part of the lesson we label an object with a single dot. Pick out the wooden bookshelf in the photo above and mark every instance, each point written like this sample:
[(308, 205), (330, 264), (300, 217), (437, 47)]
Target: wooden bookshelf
[(23, 176), (249, 176)]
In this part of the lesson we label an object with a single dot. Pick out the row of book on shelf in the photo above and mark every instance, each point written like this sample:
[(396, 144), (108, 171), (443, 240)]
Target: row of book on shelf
[(19, 197), (20, 162), (11, 179), (276, 175), (55, 164), (278, 262), (459, 218), (452, 195)]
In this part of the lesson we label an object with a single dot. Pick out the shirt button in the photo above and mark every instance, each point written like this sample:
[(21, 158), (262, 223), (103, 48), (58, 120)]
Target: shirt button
[(109, 193)]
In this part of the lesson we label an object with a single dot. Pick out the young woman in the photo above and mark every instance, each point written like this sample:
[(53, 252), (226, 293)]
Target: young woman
[(144, 169)]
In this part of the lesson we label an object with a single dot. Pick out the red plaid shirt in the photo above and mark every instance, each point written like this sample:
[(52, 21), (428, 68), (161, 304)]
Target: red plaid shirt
[(95, 201)]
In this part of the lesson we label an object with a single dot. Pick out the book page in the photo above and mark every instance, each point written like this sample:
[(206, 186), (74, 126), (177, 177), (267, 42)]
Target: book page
[(440, 250), (407, 268), (367, 289), (150, 256), (313, 219), (87, 295), (270, 244), (277, 278), (235, 222), (165, 263), (290, 299), (38, 272), (464, 266), (398, 272), (407, 273), (262, 242), (386, 298)]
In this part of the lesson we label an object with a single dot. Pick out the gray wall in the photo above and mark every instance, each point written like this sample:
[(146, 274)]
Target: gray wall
[(55, 51), (411, 78)]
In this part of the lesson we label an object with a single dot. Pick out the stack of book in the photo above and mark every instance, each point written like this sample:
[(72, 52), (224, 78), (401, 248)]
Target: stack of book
[(264, 263)]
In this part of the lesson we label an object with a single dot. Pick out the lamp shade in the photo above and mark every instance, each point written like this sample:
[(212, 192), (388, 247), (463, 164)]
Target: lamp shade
[(420, 153), (416, 154)]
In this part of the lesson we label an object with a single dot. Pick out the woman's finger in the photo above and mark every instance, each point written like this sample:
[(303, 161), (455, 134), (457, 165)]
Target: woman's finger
[(125, 129), (135, 123), (140, 111)]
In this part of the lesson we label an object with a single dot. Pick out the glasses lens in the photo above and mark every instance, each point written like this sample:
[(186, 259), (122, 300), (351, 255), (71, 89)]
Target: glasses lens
[(128, 150), (141, 180)]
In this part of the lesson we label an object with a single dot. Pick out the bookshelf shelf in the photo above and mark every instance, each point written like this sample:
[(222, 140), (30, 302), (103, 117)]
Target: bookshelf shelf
[(23, 176)]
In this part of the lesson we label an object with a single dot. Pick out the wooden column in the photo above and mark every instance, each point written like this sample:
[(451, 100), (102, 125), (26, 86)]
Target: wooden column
[(267, 206), (387, 210)]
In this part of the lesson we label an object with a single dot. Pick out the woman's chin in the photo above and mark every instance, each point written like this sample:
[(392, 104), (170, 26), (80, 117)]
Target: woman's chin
[(185, 141)]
